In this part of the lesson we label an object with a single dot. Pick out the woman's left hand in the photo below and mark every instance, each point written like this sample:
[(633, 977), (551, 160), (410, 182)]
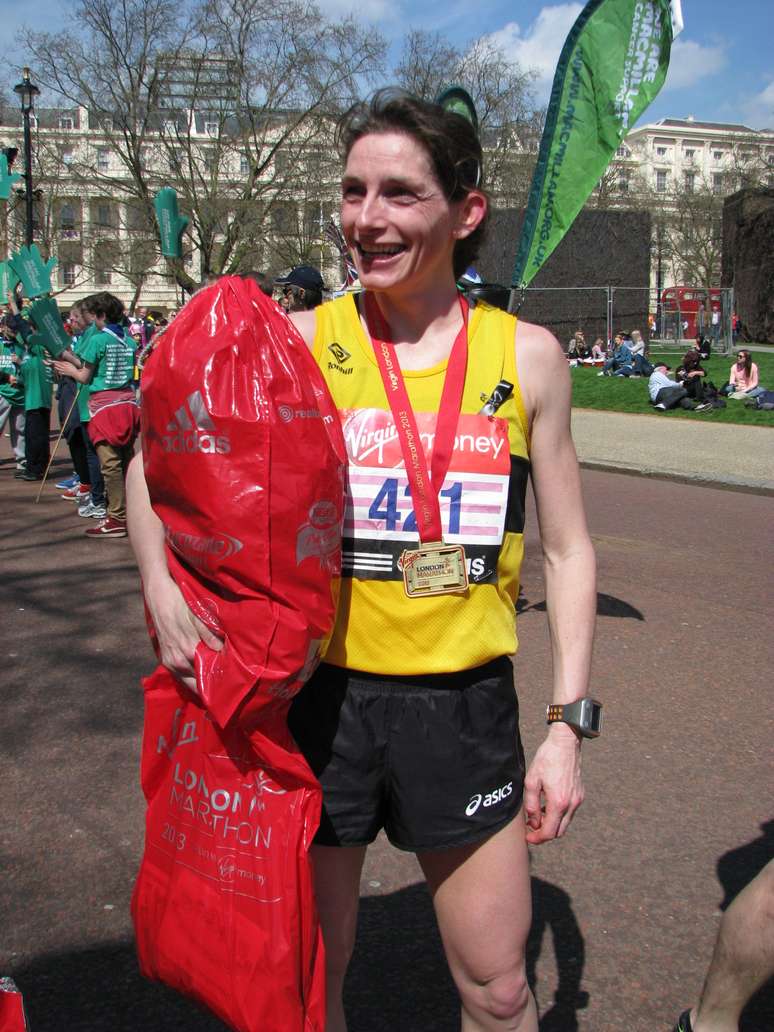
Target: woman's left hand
[(553, 789)]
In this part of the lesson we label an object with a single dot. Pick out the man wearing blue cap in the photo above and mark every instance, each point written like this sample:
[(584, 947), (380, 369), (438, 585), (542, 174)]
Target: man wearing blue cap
[(302, 289)]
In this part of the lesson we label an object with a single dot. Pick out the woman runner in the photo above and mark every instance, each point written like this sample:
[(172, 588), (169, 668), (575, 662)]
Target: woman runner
[(411, 724)]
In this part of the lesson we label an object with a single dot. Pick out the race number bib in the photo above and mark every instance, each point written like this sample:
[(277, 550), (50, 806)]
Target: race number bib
[(379, 521)]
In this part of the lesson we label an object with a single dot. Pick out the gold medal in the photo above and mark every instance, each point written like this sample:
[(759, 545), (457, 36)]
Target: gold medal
[(434, 569)]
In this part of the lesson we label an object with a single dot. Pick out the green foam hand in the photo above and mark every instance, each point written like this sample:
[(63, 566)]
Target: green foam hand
[(45, 315), (8, 280), (171, 224), (7, 179), (38, 345), (34, 273)]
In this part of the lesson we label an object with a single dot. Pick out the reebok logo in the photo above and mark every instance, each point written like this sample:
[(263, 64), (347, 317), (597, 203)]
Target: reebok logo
[(499, 795), (192, 430)]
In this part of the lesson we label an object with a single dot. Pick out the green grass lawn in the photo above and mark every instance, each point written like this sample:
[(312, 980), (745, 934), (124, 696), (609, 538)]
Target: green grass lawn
[(619, 394)]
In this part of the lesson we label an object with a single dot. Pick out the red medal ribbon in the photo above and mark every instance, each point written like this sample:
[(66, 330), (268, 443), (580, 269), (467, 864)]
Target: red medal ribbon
[(424, 487)]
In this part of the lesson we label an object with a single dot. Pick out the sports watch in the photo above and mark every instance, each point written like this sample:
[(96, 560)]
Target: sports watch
[(585, 715)]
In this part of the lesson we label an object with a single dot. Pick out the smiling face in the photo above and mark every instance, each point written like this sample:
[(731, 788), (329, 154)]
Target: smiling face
[(397, 222)]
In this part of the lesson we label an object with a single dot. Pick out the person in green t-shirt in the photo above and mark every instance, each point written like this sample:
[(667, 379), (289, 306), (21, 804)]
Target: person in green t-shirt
[(104, 364), (12, 393), (35, 374)]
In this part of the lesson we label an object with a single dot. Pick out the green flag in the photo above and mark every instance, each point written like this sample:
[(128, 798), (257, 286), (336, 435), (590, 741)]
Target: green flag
[(612, 65)]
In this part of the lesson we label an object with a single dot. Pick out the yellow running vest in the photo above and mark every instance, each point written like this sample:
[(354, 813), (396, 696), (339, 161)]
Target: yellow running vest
[(378, 628)]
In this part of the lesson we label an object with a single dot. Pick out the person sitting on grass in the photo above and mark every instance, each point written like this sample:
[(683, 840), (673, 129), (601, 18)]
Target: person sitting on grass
[(576, 349), (691, 375), (743, 380), (620, 358), (598, 349), (666, 393)]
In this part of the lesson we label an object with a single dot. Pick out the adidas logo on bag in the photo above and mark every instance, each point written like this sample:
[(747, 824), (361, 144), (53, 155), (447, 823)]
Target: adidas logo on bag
[(192, 430)]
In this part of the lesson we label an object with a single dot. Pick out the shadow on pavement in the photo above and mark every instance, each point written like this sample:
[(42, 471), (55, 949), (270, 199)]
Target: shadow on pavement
[(607, 605), (398, 978)]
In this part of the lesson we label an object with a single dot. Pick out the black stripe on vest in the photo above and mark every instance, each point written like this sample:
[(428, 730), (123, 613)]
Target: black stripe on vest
[(517, 494)]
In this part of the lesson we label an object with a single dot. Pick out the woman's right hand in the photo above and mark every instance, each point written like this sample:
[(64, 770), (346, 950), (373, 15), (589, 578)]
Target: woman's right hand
[(178, 630)]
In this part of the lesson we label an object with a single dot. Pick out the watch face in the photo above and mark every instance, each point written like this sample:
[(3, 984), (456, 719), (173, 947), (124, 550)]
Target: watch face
[(592, 716)]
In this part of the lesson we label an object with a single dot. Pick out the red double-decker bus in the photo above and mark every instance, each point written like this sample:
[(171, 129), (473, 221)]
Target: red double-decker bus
[(680, 305)]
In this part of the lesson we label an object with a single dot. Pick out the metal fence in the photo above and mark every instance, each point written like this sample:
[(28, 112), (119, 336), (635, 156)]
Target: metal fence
[(601, 312)]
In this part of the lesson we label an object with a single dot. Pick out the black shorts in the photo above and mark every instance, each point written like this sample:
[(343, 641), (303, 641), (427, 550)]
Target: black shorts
[(435, 760)]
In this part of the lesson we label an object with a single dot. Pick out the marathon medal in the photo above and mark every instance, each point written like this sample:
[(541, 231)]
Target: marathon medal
[(435, 567)]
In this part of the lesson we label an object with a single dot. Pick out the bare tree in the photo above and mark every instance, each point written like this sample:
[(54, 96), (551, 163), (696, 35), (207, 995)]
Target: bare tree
[(219, 99), (510, 124)]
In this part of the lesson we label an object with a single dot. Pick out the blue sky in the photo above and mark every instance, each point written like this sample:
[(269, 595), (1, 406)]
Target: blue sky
[(722, 65)]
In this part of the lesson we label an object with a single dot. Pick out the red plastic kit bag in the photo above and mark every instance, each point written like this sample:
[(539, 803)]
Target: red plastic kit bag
[(224, 907), (244, 462), (12, 1018)]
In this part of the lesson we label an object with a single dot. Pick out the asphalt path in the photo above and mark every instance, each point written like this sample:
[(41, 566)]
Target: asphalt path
[(678, 814)]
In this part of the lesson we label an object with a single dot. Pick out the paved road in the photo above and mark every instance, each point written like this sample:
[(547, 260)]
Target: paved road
[(721, 454), (679, 788)]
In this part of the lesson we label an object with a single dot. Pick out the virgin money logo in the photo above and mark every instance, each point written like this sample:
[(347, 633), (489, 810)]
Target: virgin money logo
[(227, 868), (372, 439)]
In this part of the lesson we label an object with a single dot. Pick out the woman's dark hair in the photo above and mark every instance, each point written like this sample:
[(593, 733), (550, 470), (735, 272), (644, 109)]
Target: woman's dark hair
[(747, 361), (105, 305), (691, 359), (449, 139)]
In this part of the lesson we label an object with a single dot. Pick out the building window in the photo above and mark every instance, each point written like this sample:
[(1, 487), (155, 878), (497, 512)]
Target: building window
[(717, 155), (65, 122), (282, 219), (690, 181), (661, 181), (67, 220), (103, 159), (103, 277), (68, 274), (104, 215), (67, 158), (689, 152), (717, 183), (623, 152), (661, 152), (244, 165), (211, 128), (623, 184), (210, 163)]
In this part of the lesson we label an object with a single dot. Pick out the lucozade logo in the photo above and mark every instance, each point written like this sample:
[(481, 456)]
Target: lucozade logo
[(192, 430)]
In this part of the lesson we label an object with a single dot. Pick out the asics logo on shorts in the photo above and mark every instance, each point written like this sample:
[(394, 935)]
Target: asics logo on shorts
[(490, 799)]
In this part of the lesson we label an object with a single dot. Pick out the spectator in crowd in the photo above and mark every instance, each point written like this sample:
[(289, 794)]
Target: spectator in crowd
[(715, 324), (90, 495), (302, 289), (620, 358), (12, 393), (691, 375), (704, 347), (74, 433), (35, 374), (666, 393), (576, 348), (701, 319), (105, 364), (743, 380), (598, 349)]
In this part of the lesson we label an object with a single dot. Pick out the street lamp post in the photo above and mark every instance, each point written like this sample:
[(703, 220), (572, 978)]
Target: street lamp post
[(27, 92)]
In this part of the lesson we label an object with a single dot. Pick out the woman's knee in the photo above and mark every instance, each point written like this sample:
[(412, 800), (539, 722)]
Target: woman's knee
[(503, 997)]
